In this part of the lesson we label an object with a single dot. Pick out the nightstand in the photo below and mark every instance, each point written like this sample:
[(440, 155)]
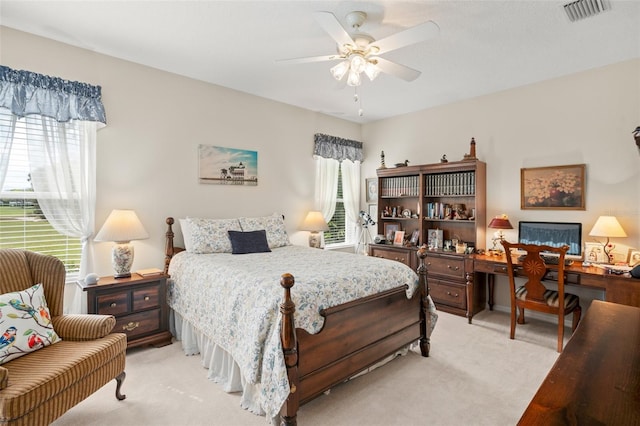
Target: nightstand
[(138, 303)]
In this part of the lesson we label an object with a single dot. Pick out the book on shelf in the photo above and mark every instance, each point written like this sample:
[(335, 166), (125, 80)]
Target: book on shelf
[(149, 272)]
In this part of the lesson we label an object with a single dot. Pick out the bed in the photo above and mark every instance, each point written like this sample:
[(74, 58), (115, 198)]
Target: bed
[(283, 345)]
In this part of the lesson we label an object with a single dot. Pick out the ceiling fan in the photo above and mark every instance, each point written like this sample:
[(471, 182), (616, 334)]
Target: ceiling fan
[(359, 52)]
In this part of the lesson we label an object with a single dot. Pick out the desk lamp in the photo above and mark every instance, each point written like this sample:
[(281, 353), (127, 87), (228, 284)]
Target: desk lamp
[(315, 223), (499, 222), (607, 226), (122, 226)]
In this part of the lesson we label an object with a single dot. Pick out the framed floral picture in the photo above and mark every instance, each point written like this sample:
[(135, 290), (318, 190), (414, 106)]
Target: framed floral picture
[(553, 188)]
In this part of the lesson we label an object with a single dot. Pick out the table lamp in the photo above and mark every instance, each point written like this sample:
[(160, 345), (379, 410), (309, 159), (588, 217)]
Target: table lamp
[(122, 226), (315, 223), (499, 222), (607, 226)]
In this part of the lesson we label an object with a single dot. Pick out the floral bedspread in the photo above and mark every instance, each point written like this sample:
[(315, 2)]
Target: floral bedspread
[(235, 299)]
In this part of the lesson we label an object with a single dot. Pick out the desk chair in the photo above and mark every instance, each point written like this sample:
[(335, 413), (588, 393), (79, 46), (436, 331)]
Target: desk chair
[(533, 294)]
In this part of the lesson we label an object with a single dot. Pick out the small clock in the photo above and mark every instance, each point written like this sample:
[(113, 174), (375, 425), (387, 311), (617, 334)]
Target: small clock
[(406, 213)]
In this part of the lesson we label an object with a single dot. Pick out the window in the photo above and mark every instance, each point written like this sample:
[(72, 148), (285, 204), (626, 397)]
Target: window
[(339, 232), (337, 229), (48, 132), (22, 222)]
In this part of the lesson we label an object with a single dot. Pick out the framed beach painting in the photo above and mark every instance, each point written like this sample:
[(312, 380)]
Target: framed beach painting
[(553, 188), (227, 166)]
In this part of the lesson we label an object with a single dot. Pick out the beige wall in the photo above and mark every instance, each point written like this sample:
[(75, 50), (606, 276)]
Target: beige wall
[(147, 155)]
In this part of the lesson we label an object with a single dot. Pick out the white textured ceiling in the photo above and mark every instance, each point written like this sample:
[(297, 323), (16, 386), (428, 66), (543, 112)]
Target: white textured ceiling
[(483, 46)]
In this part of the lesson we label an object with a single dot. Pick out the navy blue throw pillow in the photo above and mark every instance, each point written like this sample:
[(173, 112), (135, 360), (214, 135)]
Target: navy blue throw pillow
[(249, 242)]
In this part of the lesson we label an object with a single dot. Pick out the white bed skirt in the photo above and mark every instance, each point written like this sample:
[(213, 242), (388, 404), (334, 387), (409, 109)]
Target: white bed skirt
[(220, 364), (222, 368)]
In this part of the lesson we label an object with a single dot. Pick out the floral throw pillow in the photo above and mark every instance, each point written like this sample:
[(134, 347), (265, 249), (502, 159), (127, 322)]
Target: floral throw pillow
[(211, 235), (273, 225), (25, 323)]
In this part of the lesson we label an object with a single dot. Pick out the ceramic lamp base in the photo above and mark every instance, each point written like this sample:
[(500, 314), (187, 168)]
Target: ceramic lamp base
[(315, 240), (122, 259)]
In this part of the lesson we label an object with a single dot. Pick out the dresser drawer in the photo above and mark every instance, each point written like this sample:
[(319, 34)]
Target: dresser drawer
[(137, 324), (113, 303), (403, 256), (452, 266), (448, 293), (146, 298)]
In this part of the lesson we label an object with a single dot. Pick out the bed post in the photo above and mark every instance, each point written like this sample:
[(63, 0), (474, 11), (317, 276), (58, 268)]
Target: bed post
[(168, 249), (289, 410), (425, 316)]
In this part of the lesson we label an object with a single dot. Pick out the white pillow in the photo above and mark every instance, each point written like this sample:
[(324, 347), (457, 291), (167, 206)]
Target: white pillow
[(186, 234), (273, 225), (26, 323), (210, 235)]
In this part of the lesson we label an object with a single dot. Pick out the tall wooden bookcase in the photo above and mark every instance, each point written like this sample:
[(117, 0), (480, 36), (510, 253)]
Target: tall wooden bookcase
[(442, 202)]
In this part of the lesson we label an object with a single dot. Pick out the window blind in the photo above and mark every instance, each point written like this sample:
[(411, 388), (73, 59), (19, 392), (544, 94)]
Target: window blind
[(22, 222)]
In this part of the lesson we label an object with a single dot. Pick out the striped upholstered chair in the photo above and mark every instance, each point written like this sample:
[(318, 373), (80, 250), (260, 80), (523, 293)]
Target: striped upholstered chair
[(81, 357)]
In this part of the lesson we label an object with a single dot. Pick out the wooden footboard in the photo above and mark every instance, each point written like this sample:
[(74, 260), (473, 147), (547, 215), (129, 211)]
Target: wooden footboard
[(352, 339), (355, 335)]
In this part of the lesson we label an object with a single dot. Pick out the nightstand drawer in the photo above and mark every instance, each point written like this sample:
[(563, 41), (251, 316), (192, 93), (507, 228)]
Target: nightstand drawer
[(113, 304), (448, 293), (137, 324), (146, 298)]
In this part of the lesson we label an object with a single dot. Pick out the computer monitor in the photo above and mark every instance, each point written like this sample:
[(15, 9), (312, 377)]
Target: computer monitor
[(554, 234)]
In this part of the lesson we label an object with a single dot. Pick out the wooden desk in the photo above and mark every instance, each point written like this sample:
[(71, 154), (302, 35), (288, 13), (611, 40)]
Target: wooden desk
[(596, 379), (618, 288)]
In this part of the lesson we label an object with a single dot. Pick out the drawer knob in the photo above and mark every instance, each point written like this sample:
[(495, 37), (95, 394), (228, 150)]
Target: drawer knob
[(452, 294), (131, 326), (146, 298), (113, 305), (452, 267)]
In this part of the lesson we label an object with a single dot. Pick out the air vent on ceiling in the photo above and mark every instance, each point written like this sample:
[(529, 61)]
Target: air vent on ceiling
[(580, 9)]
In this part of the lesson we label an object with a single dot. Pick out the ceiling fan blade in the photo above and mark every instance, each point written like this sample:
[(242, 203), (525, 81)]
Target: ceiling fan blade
[(397, 70), (309, 59), (421, 32), (331, 25)]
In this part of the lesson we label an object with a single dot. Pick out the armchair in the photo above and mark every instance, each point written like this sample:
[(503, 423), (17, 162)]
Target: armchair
[(40, 386)]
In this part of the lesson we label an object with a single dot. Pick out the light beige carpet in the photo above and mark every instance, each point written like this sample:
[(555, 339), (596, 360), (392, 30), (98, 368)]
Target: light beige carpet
[(475, 375)]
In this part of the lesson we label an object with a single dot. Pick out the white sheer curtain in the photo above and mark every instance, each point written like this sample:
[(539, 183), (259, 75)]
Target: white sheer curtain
[(62, 158), (7, 129), (326, 186), (351, 193)]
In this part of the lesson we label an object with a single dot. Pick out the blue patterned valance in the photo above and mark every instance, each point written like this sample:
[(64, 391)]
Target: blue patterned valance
[(327, 146), (25, 93)]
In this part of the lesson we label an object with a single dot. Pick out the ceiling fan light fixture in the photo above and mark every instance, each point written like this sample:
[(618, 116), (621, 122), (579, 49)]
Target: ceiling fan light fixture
[(357, 63), (371, 70), (353, 79), (340, 70)]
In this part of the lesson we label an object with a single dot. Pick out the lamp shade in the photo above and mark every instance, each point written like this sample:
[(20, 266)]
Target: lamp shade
[(500, 222), (314, 222), (607, 226), (122, 226)]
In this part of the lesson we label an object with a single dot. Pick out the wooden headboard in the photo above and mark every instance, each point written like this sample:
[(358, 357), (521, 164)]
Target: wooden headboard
[(169, 249)]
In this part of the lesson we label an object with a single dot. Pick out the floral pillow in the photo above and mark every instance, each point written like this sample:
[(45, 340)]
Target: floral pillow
[(25, 323), (210, 235), (273, 225)]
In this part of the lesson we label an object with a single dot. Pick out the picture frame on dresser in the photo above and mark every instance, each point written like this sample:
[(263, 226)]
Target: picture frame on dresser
[(398, 238), (390, 229), (633, 258)]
